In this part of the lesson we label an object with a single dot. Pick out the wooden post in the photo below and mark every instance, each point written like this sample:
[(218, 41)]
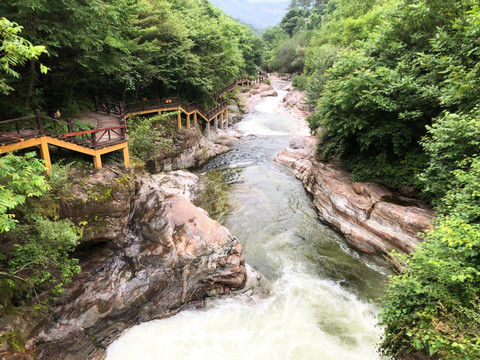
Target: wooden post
[(123, 131), (226, 118), (38, 116), (107, 105), (45, 153), (208, 129), (216, 122), (195, 119), (179, 120), (126, 157), (69, 125), (221, 120), (97, 161), (188, 121)]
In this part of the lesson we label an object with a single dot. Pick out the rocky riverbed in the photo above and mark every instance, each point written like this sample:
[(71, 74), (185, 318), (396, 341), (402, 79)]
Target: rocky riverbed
[(372, 218), (147, 252)]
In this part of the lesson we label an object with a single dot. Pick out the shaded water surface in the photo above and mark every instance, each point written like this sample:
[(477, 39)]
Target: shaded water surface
[(320, 305)]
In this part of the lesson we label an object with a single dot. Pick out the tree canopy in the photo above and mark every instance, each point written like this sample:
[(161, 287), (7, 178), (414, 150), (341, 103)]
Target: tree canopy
[(123, 50)]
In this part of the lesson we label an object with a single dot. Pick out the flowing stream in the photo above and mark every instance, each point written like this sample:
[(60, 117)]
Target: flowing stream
[(320, 305)]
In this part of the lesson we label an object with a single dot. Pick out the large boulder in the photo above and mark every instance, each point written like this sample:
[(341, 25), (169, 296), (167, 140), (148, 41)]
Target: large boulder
[(191, 149), (372, 218), (166, 256)]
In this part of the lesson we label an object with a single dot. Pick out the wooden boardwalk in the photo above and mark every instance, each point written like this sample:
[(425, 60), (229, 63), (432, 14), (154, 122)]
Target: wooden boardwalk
[(108, 132), (39, 130), (191, 112)]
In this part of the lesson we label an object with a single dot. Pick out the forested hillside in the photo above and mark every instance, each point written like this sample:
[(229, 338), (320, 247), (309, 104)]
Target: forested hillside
[(394, 88), (257, 13), (123, 50)]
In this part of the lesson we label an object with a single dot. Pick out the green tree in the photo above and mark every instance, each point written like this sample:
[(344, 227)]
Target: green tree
[(293, 21), (34, 252), (14, 52), (20, 177), (452, 138), (150, 136), (433, 305)]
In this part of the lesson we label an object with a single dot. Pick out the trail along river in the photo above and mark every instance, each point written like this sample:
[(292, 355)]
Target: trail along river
[(320, 305)]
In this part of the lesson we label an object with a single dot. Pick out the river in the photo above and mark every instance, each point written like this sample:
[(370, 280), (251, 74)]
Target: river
[(321, 305)]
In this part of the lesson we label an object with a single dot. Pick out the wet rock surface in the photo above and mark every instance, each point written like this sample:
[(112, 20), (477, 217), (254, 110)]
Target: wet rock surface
[(191, 149), (373, 219), (255, 94), (295, 101), (165, 255)]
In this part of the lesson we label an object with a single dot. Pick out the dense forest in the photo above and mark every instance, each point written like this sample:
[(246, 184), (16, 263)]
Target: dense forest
[(394, 89), (395, 92), (123, 50)]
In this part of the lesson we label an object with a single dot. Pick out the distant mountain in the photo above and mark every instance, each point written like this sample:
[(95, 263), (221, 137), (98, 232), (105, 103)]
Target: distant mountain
[(258, 13)]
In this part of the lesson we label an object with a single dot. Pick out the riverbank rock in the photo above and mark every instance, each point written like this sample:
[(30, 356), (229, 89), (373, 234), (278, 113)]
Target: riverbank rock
[(182, 183), (256, 93), (372, 218), (190, 149), (166, 256), (101, 201), (295, 102)]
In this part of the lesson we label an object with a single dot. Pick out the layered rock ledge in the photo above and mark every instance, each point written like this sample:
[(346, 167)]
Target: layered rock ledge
[(157, 255), (372, 218)]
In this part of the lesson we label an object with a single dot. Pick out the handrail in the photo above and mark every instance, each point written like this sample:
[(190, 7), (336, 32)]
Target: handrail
[(84, 132), (45, 125), (173, 102)]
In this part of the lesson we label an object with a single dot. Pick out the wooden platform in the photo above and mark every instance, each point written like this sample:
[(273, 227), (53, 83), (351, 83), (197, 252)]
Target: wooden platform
[(108, 135)]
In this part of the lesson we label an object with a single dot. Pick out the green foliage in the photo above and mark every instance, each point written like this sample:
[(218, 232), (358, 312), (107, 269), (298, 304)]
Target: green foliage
[(15, 51), (128, 49), (293, 21), (150, 136), (58, 177), (34, 250), (41, 260), (452, 140), (14, 339), (434, 304), (318, 61), (288, 54), (20, 177), (369, 111)]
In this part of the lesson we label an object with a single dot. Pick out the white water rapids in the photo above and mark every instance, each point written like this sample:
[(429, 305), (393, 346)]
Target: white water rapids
[(319, 306)]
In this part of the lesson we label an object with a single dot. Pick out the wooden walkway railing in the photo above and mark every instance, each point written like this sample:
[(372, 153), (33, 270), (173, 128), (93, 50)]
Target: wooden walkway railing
[(20, 129), (40, 130), (175, 104)]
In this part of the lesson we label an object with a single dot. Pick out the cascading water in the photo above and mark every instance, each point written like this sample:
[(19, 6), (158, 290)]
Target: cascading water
[(319, 306)]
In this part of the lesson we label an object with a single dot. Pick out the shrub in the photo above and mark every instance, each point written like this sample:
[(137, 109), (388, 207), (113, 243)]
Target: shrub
[(149, 137)]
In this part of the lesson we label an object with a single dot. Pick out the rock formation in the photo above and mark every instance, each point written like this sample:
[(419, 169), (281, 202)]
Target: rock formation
[(190, 149), (373, 219), (158, 254), (295, 102)]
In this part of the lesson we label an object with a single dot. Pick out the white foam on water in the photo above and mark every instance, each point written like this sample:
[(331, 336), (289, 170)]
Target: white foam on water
[(305, 318)]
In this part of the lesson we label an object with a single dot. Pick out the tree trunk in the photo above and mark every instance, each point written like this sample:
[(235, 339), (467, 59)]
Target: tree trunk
[(70, 93), (33, 75)]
